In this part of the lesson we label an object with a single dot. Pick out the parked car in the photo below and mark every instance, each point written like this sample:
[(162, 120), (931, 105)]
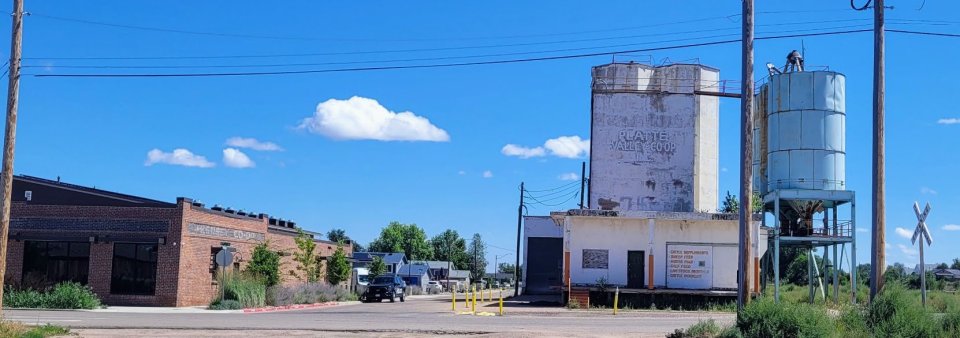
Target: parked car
[(385, 287), (434, 285)]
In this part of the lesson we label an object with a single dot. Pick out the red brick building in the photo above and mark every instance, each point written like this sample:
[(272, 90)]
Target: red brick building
[(132, 250)]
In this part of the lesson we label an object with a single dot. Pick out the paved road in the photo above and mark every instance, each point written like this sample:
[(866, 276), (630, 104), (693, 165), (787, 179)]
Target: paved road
[(421, 316)]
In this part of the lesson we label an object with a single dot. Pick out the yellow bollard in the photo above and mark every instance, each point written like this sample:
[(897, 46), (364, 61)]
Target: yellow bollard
[(453, 302), (616, 301), (474, 292), (501, 301), (466, 299)]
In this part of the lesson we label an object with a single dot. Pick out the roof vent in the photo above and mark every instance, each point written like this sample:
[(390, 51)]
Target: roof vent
[(291, 224), (272, 221), (230, 211), (241, 212), (217, 207)]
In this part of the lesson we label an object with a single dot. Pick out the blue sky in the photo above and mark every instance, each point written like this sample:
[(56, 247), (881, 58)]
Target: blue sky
[(99, 131)]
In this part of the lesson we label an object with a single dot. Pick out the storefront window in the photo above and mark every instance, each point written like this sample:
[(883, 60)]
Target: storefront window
[(48, 263), (134, 269)]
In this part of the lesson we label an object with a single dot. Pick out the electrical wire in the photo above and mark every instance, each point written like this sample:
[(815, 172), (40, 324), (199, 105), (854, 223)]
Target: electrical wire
[(545, 200), (561, 203), (502, 37), (445, 65), (568, 190), (554, 188), (401, 60), (924, 33), (487, 46)]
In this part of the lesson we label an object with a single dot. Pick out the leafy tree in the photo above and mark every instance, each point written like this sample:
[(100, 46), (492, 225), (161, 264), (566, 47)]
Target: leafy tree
[(338, 268), (478, 253), (377, 267), (308, 266), (896, 274), (506, 268), (731, 204), (339, 235), (449, 246), (409, 239), (265, 264), (943, 266), (956, 263), (797, 270)]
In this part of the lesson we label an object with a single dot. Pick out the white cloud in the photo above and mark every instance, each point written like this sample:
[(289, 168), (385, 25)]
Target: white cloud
[(568, 146), (904, 232), (568, 177), (951, 227), (487, 174), (360, 118), (252, 143), (952, 120), (461, 172), (563, 146), (522, 152), (907, 250), (724, 169), (862, 230), (236, 159), (926, 191), (178, 156)]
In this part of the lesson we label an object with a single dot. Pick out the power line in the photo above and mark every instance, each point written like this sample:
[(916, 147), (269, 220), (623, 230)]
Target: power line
[(924, 33), (402, 60), (561, 203), (554, 188), (487, 46), (277, 37), (567, 190), (445, 65)]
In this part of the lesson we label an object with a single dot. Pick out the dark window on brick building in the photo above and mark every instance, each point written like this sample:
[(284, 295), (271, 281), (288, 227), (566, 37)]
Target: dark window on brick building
[(134, 269), (48, 263)]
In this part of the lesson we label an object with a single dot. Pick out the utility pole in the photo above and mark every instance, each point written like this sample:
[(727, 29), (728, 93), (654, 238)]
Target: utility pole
[(583, 180), (516, 272), (9, 137), (878, 259), (745, 269)]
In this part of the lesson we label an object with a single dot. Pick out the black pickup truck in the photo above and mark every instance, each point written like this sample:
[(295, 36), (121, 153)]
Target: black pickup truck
[(385, 287)]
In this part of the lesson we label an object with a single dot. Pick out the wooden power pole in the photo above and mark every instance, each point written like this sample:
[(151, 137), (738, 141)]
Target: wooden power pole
[(9, 137), (745, 268), (878, 258), (516, 271)]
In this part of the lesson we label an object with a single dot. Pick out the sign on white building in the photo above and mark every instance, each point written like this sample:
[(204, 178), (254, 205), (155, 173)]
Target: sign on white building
[(689, 266)]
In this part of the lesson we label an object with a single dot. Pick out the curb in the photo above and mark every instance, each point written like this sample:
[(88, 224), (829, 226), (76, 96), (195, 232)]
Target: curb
[(290, 307)]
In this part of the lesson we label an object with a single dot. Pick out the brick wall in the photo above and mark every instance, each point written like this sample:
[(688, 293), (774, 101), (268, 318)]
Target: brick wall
[(107, 224), (197, 285)]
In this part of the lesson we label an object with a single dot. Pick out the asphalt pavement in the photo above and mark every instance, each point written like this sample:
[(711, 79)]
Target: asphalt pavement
[(417, 316)]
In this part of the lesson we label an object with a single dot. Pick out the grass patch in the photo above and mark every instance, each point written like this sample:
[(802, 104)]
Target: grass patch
[(67, 295), (14, 329), (243, 289)]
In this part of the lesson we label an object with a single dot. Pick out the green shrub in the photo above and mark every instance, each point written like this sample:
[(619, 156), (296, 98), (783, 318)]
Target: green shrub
[(66, 295), (226, 304), (764, 318), (894, 313), (264, 264), (30, 299), (951, 323), (71, 295)]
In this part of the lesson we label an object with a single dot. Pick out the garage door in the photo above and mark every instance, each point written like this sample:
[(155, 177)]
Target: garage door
[(545, 266)]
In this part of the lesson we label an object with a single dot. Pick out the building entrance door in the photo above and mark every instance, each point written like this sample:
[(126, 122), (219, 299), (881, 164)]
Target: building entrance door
[(635, 269)]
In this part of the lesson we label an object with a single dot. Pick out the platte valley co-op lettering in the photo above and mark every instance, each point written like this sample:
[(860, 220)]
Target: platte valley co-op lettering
[(644, 142), (688, 264)]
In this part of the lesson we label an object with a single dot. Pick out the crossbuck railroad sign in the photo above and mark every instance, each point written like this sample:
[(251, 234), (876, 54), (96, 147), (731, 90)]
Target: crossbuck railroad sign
[(921, 224)]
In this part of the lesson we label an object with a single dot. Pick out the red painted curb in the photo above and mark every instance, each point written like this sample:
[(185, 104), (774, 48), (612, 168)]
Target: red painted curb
[(289, 307)]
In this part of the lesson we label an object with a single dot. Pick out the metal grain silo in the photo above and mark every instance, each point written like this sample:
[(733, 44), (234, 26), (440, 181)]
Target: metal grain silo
[(806, 119)]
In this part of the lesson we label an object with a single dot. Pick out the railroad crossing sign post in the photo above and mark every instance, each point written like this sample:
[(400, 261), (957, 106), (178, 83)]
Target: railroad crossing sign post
[(924, 235)]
